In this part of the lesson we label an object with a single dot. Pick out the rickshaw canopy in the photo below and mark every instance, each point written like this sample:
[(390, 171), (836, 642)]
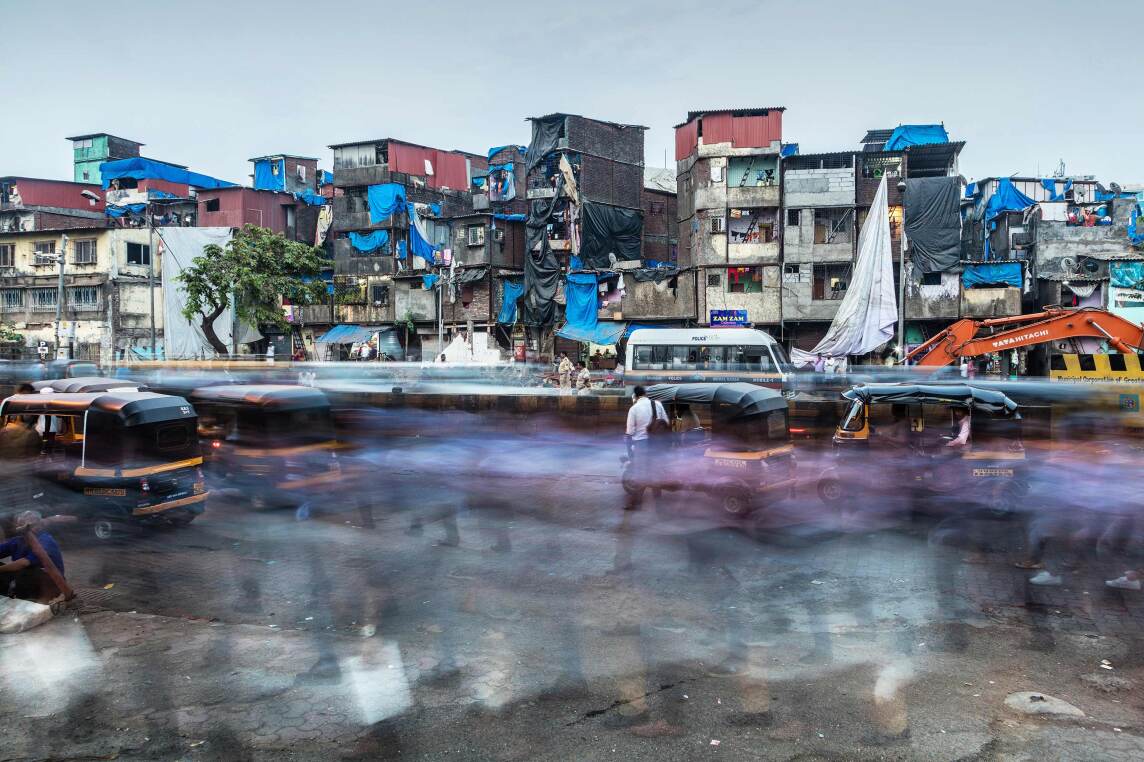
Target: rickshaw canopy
[(87, 385), (129, 408), (964, 395), (730, 401), (276, 397)]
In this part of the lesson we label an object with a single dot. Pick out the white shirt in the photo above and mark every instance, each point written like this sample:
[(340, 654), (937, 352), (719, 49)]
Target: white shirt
[(962, 438), (639, 418)]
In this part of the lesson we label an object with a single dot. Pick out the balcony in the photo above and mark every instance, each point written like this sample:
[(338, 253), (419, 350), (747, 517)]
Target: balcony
[(753, 196), (349, 177)]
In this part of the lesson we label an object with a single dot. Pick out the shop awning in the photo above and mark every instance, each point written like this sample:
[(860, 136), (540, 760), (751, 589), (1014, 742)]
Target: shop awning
[(347, 334)]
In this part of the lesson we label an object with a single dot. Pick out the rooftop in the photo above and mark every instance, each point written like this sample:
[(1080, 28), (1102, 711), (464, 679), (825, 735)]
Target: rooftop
[(403, 142), (590, 118), (877, 136), (283, 156), (104, 134), (659, 179), (6, 178), (733, 112)]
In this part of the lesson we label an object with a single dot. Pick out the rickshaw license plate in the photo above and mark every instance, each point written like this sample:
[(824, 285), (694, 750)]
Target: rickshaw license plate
[(730, 463), (992, 472), (105, 491)]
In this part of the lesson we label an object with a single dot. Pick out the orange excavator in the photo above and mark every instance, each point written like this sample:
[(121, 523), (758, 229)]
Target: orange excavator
[(970, 338)]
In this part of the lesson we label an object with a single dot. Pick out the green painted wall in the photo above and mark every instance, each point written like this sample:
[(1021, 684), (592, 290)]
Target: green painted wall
[(88, 159)]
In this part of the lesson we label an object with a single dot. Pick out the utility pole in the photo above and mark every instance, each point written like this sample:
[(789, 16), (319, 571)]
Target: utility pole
[(902, 267), (151, 275), (440, 316), (61, 354)]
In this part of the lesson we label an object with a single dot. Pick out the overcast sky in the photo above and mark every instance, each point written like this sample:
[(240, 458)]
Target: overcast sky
[(210, 84)]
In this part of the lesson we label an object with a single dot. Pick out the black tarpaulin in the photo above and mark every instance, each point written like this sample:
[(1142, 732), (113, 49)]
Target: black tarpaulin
[(545, 137), (986, 400), (541, 267), (654, 274), (933, 222), (609, 230)]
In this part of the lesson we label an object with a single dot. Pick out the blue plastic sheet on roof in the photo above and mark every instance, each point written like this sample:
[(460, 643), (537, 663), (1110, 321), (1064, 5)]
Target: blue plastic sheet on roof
[(384, 200), (1005, 199), (605, 333), (310, 198), (1051, 186), (114, 210), (267, 178), (906, 135), (510, 217), (435, 208), (147, 169), (160, 194), (971, 190), (370, 241), (1126, 274), (998, 273), (346, 334), (582, 302), (494, 151), (790, 149), (480, 181), (512, 291), (326, 178), (506, 167), (428, 281), (1135, 235)]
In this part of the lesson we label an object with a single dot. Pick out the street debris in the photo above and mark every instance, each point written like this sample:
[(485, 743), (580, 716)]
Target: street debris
[(1031, 702), (714, 742)]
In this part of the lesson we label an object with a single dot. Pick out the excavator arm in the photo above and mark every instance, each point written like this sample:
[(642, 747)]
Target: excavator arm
[(964, 338)]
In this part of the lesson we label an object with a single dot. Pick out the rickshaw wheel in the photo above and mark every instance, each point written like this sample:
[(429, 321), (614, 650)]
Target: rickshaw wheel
[(737, 503), (105, 528), (830, 491), (1003, 500)]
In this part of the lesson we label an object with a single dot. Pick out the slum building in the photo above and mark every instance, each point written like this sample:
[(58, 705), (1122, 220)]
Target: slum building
[(392, 206), (728, 180)]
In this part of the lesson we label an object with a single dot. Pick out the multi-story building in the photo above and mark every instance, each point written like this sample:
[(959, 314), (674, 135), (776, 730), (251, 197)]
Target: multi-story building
[(660, 215), (32, 203), (89, 151), (728, 179), (107, 308)]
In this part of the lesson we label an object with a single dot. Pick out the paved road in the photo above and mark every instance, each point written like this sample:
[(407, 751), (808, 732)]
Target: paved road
[(560, 626)]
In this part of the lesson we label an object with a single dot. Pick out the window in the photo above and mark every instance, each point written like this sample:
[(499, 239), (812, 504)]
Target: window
[(379, 295), (713, 279), (792, 273), (11, 299), (475, 235), (745, 280), (718, 224), (138, 254), (656, 207), (212, 205), (751, 226), (830, 281), (86, 175), (833, 225), (7, 255), (794, 217), (83, 297), (84, 252), (45, 253), (931, 279), (43, 299), (302, 172)]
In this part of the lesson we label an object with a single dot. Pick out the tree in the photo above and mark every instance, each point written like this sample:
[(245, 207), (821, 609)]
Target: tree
[(255, 271), (9, 335)]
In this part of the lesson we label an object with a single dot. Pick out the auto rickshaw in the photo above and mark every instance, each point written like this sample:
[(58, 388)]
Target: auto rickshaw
[(115, 458), (274, 443), (88, 385), (730, 441), (15, 373), (888, 440)]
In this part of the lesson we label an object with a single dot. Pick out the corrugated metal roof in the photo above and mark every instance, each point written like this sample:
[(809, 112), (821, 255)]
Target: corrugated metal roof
[(753, 111), (877, 136), (581, 116)]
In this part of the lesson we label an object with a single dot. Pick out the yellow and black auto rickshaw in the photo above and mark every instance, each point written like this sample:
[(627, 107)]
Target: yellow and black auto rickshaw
[(114, 458), (900, 440), (274, 443), (731, 441)]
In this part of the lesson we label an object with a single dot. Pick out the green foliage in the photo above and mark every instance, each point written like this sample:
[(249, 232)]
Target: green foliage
[(406, 322), (259, 268), (8, 335)]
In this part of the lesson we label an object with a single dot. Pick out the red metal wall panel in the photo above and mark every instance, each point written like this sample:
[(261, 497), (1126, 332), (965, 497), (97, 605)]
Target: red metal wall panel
[(451, 171), (243, 206), (755, 131), (176, 189), (686, 139), (35, 192), (410, 159), (717, 128)]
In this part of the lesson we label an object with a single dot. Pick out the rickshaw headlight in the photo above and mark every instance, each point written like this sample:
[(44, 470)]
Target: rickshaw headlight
[(145, 485)]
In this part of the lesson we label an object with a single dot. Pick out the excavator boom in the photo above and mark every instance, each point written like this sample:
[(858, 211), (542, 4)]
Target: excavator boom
[(971, 338)]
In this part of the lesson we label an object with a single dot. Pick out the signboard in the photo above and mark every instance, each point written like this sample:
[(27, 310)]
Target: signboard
[(727, 318)]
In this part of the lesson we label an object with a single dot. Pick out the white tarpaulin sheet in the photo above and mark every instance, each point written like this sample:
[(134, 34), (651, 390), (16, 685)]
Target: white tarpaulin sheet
[(183, 339), (867, 314)]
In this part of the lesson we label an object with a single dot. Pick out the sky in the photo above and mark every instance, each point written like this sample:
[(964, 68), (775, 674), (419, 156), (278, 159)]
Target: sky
[(211, 84)]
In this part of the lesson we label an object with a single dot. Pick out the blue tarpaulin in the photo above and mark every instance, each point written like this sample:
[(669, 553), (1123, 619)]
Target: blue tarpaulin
[(790, 149), (160, 194), (384, 200), (402, 249), (510, 217), (435, 208), (479, 182), (512, 292), (1005, 199), (270, 175), (427, 281), (346, 334), (370, 241), (113, 210), (148, 169), (605, 333), (1126, 274), (326, 178), (906, 135), (1135, 235), (507, 167), (418, 245), (994, 274), (582, 302), (310, 198), (494, 151), (971, 190), (575, 263)]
